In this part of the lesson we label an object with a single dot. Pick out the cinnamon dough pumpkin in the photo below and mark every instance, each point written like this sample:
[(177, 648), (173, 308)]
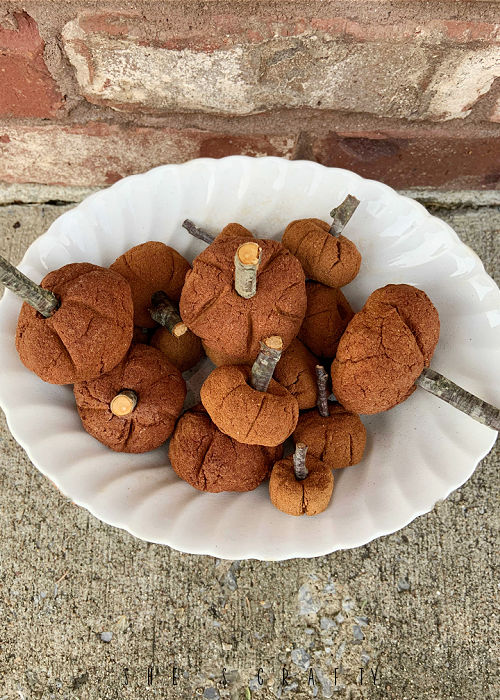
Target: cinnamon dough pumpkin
[(128, 425), (296, 372), (331, 260), (151, 267), (184, 351), (212, 461), (87, 335), (384, 349), (308, 496), (338, 439), (225, 321), (245, 414), (327, 315)]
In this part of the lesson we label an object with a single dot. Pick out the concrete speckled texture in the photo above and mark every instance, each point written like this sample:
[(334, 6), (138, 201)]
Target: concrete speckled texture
[(86, 609)]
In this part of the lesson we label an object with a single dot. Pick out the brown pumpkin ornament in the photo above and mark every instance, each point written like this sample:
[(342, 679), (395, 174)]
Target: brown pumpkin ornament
[(183, 351), (247, 404), (301, 485), (241, 290), (333, 435), (386, 354), (76, 325), (327, 315), (152, 267), (134, 407), (296, 371), (325, 254), (384, 349), (210, 460)]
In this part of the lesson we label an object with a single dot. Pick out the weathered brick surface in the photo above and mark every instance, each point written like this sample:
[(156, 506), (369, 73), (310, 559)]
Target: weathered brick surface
[(99, 154), (26, 86), (406, 92), (399, 70), (402, 160), (462, 77)]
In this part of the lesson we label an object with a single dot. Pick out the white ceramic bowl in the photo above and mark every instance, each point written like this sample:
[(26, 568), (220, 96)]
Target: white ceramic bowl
[(416, 453)]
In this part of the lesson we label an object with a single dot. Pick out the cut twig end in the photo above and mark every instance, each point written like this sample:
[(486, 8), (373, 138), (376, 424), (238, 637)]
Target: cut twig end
[(246, 263), (249, 253), (123, 403), (179, 329), (267, 359), (299, 461), (164, 313), (275, 342)]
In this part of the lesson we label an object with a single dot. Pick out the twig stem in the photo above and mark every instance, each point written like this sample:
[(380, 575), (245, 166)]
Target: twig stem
[(445, 389), (322, 380), (43, 300), (197, 232), (342, 214), (123, 403), (164, 313), (299, 461), (246, 263), (267, 359)]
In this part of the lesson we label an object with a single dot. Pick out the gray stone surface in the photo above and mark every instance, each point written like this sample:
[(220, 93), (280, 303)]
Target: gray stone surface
[(86, 609)]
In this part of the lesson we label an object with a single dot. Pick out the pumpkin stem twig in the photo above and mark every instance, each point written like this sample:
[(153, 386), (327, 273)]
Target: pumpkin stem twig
[(163, 312), (43, 300), (246, 264), (267, 359), (299, 461), (342, 214), (322, 379), (448, 391), (197, 232)]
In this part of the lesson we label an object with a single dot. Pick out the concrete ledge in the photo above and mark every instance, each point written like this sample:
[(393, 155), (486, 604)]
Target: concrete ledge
[(15, 193)]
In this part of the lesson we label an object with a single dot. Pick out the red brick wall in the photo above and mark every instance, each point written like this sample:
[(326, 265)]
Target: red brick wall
[(407, 92)]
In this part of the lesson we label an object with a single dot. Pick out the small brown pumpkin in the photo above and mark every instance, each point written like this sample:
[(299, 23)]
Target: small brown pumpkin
[(233, 325), (87, 334), (307, 492), (210, 460), (296, 372), (134, 407), (327, 315), (247, 404), (151, 267), (245, 414), (384, 349), (326, 255), (183, 351)]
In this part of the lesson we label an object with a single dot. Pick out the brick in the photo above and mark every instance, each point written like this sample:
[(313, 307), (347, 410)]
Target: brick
[(402, 160), (27, 88), (99, 154), (204, 60), (460, 80), (311, 70)]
